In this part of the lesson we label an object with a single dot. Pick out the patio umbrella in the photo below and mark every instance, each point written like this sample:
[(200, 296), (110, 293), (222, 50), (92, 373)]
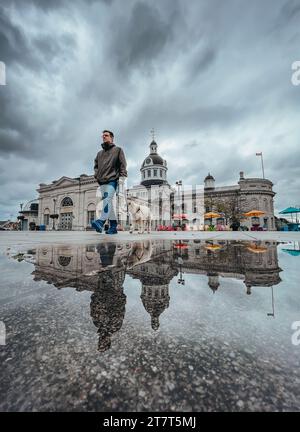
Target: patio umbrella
[(211, 215), (213, 247), (256, 249), (180, 216), (180, 246), (292, 252), (290, 210), (254, 213)]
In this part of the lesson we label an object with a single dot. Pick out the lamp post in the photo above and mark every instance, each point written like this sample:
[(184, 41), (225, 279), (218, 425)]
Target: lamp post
[(21, 205), (273, 308), (179, 183), (262, 163), (180, 280), (54, 202)]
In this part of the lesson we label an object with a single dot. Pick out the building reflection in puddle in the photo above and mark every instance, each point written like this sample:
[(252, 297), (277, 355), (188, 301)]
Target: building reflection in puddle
[(101, 269)]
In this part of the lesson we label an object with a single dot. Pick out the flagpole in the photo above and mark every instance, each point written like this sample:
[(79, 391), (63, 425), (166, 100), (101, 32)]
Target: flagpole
[(262, 163)]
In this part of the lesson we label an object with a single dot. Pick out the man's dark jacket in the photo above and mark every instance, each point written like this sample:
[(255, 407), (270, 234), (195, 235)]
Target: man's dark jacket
[(110, 163)]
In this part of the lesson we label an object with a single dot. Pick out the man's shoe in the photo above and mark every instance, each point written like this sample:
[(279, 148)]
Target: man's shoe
[(112, 227), (98, 225)]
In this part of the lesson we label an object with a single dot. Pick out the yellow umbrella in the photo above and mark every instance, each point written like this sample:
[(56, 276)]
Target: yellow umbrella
[(211, 215), (254, 213), (213, 247)]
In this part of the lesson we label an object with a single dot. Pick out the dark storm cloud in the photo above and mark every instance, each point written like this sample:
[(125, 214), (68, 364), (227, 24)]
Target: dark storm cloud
[(202, 60), (17, 47), (45, 5), (213, 79), (142, 38), (290, 9), (13, 43)]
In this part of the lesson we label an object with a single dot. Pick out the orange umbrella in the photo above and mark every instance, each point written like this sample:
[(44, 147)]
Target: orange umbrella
[(254, 213), (211, 215), (257, 249)]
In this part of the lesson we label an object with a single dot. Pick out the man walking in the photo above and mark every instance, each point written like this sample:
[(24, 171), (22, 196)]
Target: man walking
[(110, 168)]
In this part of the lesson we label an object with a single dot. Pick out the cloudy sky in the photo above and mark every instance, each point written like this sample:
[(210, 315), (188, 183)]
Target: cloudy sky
[(213, 77)]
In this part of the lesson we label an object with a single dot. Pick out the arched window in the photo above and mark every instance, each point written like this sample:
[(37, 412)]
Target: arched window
[(67, 202), (254, 204), (64, 260), (91, 213)]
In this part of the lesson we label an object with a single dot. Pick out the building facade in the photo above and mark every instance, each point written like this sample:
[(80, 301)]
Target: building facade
[(68, 203), (72, 203), (248, 194)]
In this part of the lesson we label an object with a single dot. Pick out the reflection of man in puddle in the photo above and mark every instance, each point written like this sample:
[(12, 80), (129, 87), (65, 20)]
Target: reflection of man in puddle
[(108, 301), (107, 253)]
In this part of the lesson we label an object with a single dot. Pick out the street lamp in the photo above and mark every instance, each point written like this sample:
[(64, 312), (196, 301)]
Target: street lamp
[(180, 280), (21, 205), (54, 202), (179, 183), (273, 308)]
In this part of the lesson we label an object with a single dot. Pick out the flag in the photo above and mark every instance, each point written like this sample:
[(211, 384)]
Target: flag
[(259, 154)]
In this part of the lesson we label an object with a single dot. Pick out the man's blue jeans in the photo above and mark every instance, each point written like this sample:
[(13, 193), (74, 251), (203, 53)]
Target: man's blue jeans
[(108, 191)]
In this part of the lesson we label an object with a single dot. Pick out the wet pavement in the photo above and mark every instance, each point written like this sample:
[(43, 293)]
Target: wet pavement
[(150, 325)]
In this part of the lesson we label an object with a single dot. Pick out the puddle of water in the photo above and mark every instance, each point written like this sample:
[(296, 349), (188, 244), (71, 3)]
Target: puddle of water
[(151, 325)]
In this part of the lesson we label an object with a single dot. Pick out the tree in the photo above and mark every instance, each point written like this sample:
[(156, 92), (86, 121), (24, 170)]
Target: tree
[(228, 206)]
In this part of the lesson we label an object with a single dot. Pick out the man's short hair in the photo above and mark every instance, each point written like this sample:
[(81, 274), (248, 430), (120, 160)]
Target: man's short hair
[(110, 133)]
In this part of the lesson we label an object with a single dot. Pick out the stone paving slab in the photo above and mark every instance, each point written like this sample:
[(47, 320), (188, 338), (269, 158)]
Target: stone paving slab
[(19, 238)]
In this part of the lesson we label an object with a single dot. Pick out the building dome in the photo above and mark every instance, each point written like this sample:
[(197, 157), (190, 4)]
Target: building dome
[(154, 168), (153, 158)]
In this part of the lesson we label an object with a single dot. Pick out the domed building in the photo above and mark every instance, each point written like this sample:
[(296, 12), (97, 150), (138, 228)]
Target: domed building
[(154, 168), (154, 188)]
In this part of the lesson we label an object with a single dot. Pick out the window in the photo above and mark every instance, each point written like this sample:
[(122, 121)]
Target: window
[(46, 219), (67, 202), (149, 173), (91, 215), (161, 173), (64, 260), (144, 174), (155, 172)]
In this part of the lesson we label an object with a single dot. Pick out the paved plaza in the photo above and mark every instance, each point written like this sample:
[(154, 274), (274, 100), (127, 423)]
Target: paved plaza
[(176, 321)]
